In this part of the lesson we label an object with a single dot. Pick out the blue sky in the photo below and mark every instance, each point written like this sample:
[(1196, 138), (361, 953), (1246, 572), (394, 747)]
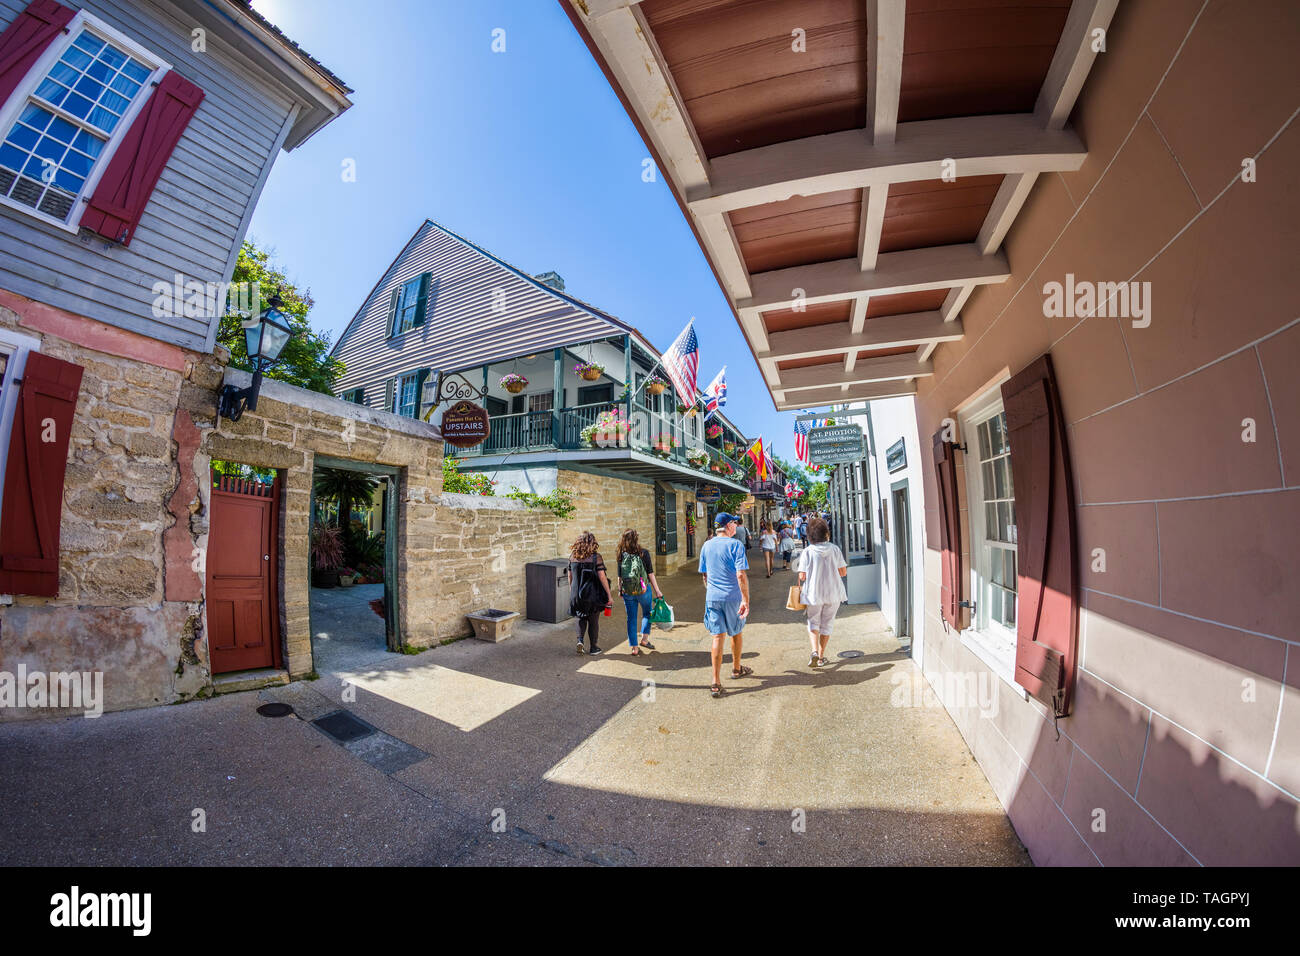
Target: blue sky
[(528, 153)]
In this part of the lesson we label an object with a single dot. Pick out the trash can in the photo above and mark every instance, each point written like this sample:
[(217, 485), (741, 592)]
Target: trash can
[(547, 586)]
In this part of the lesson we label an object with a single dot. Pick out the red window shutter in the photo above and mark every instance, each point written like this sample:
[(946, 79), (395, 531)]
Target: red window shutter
[(38, 454), (1047, 606), (945, 470), (119, 200), (26, 38)]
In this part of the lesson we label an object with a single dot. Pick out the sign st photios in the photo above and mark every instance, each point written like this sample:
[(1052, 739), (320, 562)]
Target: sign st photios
[(836, 444), (465, 425)]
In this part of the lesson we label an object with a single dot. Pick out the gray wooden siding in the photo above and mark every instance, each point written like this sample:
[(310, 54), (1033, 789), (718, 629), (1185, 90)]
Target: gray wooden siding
[(460, 328), (196, 215)]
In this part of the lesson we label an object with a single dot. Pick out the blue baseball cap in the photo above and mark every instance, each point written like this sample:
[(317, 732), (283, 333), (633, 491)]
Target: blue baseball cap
[(723, 519)]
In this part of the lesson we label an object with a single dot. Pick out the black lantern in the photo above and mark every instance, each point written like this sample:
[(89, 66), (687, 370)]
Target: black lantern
[(264, 339)]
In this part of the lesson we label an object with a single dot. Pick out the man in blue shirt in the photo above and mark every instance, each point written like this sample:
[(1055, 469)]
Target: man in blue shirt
[(726, 596)]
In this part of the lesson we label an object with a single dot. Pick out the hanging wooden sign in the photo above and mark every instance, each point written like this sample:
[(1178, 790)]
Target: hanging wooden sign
[(465, 425)]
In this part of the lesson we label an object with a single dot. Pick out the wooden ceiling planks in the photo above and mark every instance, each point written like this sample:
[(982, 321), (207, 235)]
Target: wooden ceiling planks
[(799, 231)]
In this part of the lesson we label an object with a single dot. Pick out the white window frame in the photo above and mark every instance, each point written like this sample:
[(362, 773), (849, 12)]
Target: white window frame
[(17, 346), (22, 95), (990, 641)]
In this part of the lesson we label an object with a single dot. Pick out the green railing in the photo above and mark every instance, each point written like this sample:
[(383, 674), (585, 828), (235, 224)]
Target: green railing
[(536, 431)]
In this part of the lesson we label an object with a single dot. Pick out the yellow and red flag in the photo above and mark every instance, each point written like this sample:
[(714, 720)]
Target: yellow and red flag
[(759, 459)]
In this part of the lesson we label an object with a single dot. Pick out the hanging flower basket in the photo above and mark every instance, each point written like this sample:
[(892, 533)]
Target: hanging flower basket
[(728, 448), (656, 385), (714, 431), (589, 370), (514, 384), (687, 410)]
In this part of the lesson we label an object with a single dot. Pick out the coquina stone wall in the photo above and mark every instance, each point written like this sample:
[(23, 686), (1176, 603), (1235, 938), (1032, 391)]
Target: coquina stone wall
[(289, 429), (606, 506), (482, 545)]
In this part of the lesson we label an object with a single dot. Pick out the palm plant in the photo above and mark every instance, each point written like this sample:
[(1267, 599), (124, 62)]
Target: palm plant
[(348, 488)]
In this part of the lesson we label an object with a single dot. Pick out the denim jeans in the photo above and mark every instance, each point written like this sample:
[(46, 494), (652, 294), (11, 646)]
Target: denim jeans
[(630, 604)]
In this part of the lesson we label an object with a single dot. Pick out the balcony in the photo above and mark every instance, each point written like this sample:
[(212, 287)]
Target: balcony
[(648, 443), (766, 489)]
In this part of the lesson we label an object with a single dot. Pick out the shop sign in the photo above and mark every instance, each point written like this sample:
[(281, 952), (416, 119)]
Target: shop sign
[(709, 494), (836, 444), (465, 425), (896, 457)]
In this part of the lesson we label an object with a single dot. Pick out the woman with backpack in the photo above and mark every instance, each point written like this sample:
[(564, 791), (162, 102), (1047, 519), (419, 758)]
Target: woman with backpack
[(635, 569), (588, 589)]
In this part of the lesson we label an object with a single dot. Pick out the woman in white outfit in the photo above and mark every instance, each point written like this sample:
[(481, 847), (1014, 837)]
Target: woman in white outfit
[(822, 570)]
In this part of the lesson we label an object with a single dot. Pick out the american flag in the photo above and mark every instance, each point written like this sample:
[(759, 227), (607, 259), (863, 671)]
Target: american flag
[(682, 363), (801, 430), (715, 396)]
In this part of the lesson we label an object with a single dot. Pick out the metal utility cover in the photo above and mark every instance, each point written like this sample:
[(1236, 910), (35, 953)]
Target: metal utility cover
[(343, 727)]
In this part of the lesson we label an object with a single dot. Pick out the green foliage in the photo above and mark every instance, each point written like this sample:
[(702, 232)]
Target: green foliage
[(247, 472), (348, 488), (559, 502), (730, 503), (305, 361), (453, 482)]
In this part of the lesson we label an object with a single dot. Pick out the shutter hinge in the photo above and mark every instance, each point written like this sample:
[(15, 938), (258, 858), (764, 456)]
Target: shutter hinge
[(970, 604)]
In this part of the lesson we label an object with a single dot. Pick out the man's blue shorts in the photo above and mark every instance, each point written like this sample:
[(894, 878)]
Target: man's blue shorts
[(723, 617)]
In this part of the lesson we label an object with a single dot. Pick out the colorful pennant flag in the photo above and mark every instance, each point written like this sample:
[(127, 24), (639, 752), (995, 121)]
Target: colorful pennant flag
[(757, 456), (715, 396)]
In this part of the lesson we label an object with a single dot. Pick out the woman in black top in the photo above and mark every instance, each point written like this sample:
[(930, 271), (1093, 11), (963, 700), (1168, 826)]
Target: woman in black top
[(636, 588), (588, 589)]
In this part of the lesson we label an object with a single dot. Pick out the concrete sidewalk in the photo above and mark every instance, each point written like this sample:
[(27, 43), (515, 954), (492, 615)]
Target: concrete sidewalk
[(525, 753)]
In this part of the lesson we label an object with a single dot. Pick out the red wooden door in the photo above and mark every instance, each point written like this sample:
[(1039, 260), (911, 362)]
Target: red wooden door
[(242, 613)]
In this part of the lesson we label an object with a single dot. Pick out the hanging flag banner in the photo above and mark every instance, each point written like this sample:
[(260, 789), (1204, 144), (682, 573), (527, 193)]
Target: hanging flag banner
[(715, 396), (759, 459), (836, 444), (681, 363)]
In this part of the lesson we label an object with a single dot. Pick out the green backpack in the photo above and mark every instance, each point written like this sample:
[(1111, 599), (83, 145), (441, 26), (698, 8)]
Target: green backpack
[(631, 569)]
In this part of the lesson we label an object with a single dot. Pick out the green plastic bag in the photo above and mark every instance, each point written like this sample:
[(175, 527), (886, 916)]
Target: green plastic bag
[(661, 613)]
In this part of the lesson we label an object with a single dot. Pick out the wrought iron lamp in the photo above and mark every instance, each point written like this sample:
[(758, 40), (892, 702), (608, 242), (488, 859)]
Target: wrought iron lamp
[(264, 340)]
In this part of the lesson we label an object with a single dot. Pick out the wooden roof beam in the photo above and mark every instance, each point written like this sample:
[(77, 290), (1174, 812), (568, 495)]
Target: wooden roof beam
[(1072, 61), (885, 20), (796, 401), (909, 270), (980, 146), (887, 331), (866, 371)]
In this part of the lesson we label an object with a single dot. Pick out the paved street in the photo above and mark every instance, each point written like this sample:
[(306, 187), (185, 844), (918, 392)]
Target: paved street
[(525, 753)]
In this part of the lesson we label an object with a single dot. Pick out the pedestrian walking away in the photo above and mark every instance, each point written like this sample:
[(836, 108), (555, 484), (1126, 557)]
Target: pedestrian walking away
[(636, 583), (822, 570), (742, 534), (785, 542), (801, 529), (767, 540), (726, 596), (588, 589)]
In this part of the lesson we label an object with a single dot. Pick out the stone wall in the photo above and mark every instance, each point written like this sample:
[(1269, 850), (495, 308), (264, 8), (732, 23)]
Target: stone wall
[(118, 610), (289, 429), (481, 547), (606, 507)]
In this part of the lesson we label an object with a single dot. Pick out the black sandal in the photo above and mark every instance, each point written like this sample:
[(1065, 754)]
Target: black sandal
[(647, 645), (715, 690)]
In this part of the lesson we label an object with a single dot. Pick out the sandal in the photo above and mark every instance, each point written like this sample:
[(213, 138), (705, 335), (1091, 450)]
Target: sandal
[(715, 690), (814, 660), (636, 651), (743, 672), (647, 645)]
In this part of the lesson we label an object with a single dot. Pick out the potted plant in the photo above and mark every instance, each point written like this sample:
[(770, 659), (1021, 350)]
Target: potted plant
[(589, 370), (513, 383), (347, 577), (698, 458), (609, 431), (664, 445), (655, 385), (714, 430), (728, 448), (326, 555), (687, 410)]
